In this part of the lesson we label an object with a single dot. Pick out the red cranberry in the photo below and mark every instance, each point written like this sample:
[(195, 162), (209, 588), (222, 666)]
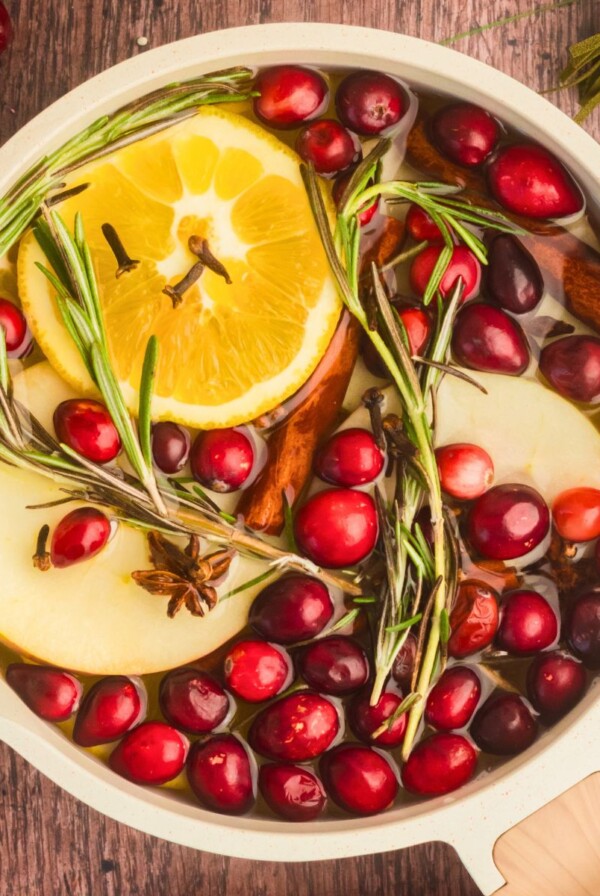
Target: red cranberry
[(365, 720), (6, 30), (350, 457), (417, 326), (572, 366), (337, 527), (222, 459), (369, 102), (576, 514), (404, 664), (328, 145), (80, 535), (555, 683), (86, 427), (466, 471), (463, 264), (153, 753), (453, 699), (513, 278), (439, 764), (504, 726), (473, 620), (170, 446), (420, 225), (486, 338), (465, 133), (220, 774), (359, 779), (508, 521), (289, 95), (527, 623), (295, 728), (583, 628), (292, 792), (364, 217), (192, 700), (257, 670), (334, 665), (294, 608), (12, 320), (51, 694), (110, 708), (529, 180)]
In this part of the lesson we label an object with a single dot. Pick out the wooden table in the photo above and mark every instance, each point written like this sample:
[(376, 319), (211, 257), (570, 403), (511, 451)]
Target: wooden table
[(50, 844)]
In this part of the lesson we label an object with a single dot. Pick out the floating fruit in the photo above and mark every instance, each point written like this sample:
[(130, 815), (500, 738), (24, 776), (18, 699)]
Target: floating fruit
[(359, 779), (329, 146), (527, 623), (110, 708), (350, 457), (366, 215), (192, 700), (12, 320), (295, 728), (404, 664), (572, 366), (86, 427), (334, 665), (582, 628), (465, 133), (508, 521), (466, 471), (289, 95), (220, 774), (528, 180), (376, 724), (170, 446), (439, 764), (420, 225), (222, 459), (504, 726), (153, 753), (486, 338), (81, 534), (292, 792), (473, 620), (337, 527), (369, 102), (294, 608), (513, 278), (576, 514), (256, 670), (52, 694), (555, 684), (453, 699), (463, 265)]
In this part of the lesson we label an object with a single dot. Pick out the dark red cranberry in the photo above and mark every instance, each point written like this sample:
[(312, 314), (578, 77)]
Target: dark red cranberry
[(576, 514), (337, 527), (192, 700), (86, 427), (12, 319), (369, 102), (404, 664), (256, 670), (222, 459), (170, 446), (463, 265), (359, 779), (572, 366), (153, 753), (220, 774), (465, 133), (439, 764), (420, 225), (504, 726), (328, 145), (453, 699), (366, 720), (51, 694), (473, 620), (6, 30), (513, 278), (292, 792), (527, 623), (487, 338), (466, 471), (582, 628), (334, 665), (80, 535), (295, 728), (367, 214), (110, 708), (555, 683), (350, 457), (294, 608), (529, 180), (508, 521), (289, 95)]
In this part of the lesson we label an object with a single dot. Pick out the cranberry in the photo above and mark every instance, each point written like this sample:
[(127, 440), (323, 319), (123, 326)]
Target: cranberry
[(582, 628), (367, 214), (365, 720), (369, 102), (192, 700), (529, 180), (292, 792), (508, 521), (572, 366), (6, 30), (359, 779), (350, 457), (12, 320), (153, 753), (555, 683), (257, 670), (527, 623), (439, 764), (513, 278), (417, 326), (294, 608), (86, 427), (110, 708), (487, 338), (576, 514), (473, 620), (420, 225), (463, 265), (465, 133), (453, 699), (222, 459), (289, 95), (466, 471), (335, 665), (328, 145), (170, 446), (51, 694), (404, 664), (220, 774), (295, 728), (80, 535), (337, 527), (504, 726)]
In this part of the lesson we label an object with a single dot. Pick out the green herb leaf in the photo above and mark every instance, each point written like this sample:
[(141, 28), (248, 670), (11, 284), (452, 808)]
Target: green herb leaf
[(145, 404)]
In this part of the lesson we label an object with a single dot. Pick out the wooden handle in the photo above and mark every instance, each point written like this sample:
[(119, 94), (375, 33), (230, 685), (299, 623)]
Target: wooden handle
[(556, 851)]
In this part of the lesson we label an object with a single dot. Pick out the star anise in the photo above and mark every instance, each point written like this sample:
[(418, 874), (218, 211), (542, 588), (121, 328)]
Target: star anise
[(183, 576)]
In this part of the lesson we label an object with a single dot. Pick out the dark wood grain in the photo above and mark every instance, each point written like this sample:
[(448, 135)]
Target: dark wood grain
[(50, 844)]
